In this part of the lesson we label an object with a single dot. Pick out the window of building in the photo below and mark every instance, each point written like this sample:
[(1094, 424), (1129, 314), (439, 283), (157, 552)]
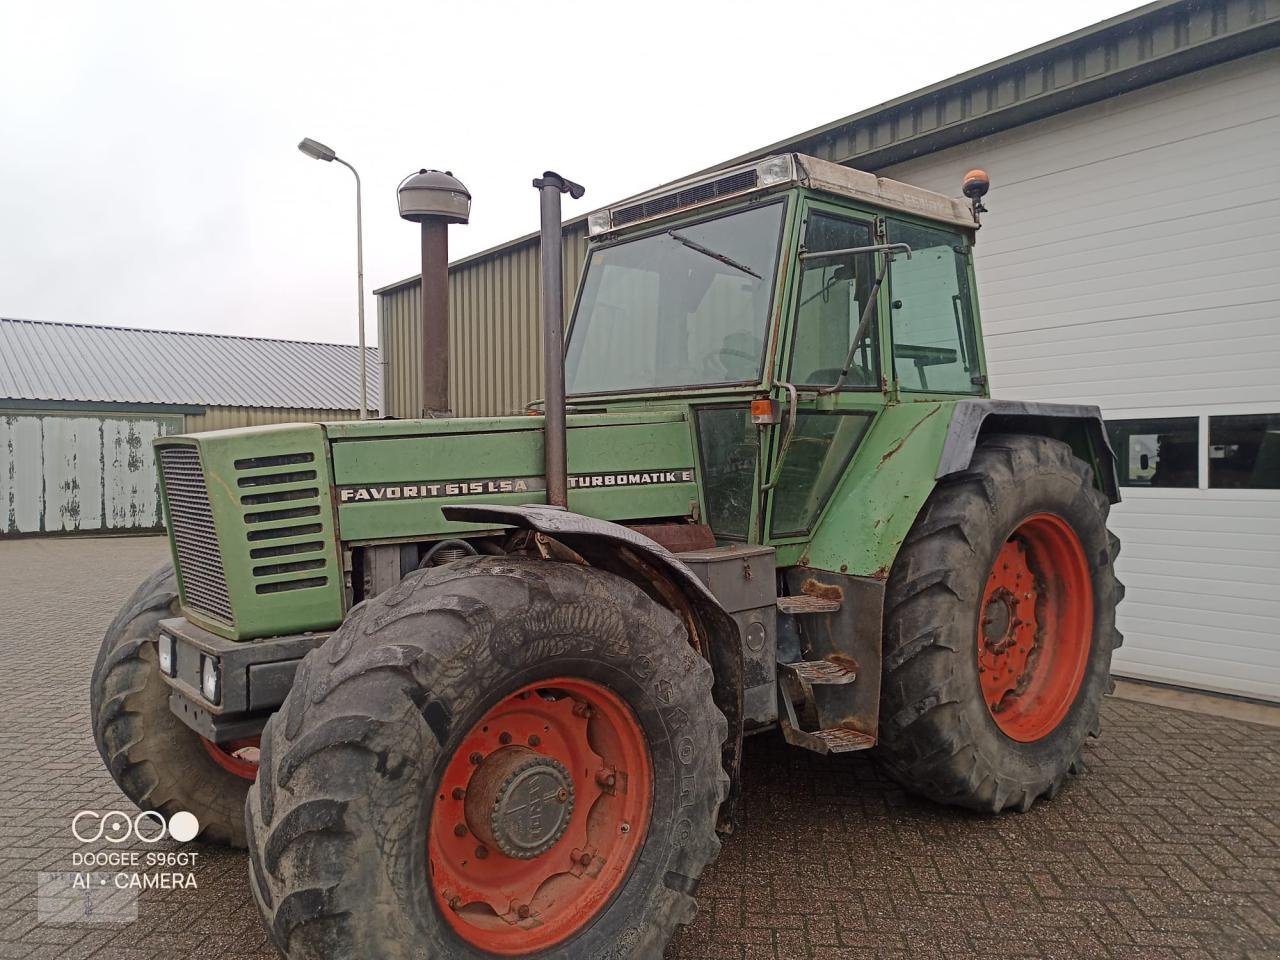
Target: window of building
[(1244, 451), (1161, 452)]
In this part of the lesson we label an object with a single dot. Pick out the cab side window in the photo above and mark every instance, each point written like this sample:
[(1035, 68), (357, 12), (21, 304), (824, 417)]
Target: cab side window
[(934, 348), (832, 295)]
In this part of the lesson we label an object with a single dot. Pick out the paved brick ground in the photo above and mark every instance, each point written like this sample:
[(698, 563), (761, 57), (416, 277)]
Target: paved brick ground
[(1168, 847)]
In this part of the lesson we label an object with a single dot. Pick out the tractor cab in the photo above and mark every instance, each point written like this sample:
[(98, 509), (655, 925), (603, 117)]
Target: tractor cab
[(765, 275), (783, 305)]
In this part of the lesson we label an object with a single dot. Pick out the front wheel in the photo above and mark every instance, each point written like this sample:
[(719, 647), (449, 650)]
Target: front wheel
[(158, 761), (498, 757), (999, 628)]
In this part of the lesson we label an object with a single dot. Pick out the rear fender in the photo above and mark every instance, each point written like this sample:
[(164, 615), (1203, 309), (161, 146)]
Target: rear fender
[(660, 574), (1078, 425)]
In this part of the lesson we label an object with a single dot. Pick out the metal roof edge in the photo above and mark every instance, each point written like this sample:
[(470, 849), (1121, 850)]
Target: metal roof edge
[(1187, 55), (100, 406), (353, 347)]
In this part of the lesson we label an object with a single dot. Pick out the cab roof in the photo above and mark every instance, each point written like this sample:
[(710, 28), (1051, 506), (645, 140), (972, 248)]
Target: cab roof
[(776, 172)]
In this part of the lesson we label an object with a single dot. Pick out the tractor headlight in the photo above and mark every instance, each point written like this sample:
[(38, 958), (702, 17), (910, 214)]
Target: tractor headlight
[(210, 678), (775, 170), (599, 222), (167, 655)]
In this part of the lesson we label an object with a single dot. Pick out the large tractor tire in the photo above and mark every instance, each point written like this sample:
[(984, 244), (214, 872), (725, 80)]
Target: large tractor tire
[(158, 761), (999, 628), (499, 756)]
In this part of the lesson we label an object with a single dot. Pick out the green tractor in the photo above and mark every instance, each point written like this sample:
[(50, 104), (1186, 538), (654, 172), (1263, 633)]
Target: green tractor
[(479, 687)]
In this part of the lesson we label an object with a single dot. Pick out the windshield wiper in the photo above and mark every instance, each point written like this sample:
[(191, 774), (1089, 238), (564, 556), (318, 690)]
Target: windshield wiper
[(713, 254)]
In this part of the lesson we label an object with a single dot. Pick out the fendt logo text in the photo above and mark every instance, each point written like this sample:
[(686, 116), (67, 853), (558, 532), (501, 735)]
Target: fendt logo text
[(115, 826)]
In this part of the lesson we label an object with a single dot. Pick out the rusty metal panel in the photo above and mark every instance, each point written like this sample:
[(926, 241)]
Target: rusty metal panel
[(79, 472), (495, 351)]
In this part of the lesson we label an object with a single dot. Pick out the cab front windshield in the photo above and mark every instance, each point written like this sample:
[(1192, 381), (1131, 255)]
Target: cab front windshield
[(682, 307)]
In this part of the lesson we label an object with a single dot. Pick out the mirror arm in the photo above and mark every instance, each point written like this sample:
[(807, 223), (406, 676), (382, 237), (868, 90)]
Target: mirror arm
[(868, 312), (792, 400)]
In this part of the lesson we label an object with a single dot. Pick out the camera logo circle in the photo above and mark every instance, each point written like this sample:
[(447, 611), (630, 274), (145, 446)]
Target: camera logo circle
[(149, 826)]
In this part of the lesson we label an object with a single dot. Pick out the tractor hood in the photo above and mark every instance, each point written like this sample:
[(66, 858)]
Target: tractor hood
[(392, 478), (259, 516)]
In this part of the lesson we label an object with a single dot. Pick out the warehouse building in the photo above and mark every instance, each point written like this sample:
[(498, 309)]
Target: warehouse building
[(1131, 258), (80, 405)]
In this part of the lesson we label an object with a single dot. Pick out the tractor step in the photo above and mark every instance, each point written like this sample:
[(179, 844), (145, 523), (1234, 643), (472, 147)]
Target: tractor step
[(840, 740), (831, 740), (807, 604), (824, 672)]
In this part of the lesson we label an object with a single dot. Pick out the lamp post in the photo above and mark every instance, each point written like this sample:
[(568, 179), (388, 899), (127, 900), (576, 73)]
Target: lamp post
[(319, 151)]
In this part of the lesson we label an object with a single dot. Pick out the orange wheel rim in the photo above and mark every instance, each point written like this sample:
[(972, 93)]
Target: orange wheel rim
[(237, 756), (539, 816), (1035, 628)]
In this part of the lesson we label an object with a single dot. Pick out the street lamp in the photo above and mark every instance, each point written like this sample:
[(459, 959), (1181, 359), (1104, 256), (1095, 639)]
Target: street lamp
[(318, 151)]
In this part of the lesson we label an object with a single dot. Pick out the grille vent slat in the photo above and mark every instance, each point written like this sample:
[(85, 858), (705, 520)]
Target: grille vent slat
[(204, 581), (291, 503), (688, 197)]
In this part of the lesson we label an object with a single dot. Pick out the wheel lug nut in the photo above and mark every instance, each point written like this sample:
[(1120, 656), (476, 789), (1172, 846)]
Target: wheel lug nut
[(625, 828), (460, 830), (562, 795), (606, 778), (504, 739), (477, 757), (459, 793), (482, 852), (534, 740), (585, 859), (523, 911)]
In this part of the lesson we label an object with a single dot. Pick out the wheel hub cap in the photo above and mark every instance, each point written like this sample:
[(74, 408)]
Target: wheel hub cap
[(520, 802)]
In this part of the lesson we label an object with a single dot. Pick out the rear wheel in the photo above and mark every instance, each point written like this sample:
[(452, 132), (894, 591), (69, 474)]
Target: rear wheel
[(999, 628), (158, 761), (498, 757)]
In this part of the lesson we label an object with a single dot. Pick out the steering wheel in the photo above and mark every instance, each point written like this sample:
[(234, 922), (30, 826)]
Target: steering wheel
[(721, 356)]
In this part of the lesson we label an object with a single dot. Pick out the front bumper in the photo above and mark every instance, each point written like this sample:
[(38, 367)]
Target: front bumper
[(255, 677)]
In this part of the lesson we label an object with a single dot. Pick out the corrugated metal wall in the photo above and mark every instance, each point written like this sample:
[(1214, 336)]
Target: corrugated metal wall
[(221, 418), (1130, 260), (72, 472), (94, 471), (495, 343)]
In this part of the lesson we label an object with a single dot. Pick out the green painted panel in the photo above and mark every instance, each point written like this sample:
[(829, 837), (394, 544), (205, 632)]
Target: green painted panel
[(876, 503), (265, 485), (441, 468)]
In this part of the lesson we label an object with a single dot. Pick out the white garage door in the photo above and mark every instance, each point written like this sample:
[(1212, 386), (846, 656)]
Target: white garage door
[(1131, 259), (67, 473)]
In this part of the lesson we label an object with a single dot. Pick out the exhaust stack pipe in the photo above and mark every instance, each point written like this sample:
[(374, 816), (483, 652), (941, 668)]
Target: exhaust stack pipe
[(435, 199), (551, 185)]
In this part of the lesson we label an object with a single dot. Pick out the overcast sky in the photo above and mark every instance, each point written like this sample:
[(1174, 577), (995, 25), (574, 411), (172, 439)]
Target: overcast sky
[(149, 174)]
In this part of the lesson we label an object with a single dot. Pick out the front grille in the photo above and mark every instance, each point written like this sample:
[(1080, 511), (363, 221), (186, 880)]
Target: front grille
[(281, 499), (688, 197), (204, 581)]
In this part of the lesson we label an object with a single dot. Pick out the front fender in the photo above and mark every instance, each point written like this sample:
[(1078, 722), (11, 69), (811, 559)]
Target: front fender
[(620, 550)]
